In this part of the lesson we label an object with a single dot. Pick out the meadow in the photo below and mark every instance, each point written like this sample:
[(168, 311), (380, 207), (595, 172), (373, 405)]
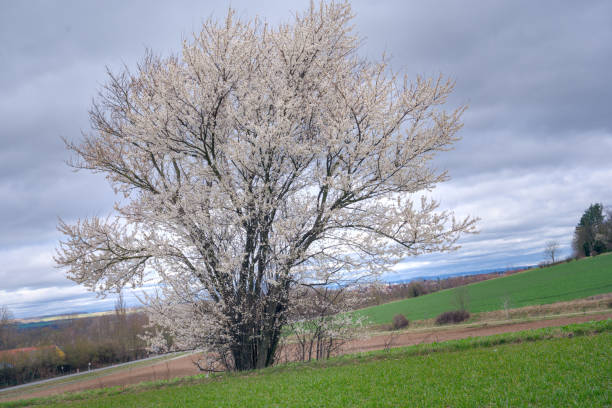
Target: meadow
[(562, 282), (547, 367)]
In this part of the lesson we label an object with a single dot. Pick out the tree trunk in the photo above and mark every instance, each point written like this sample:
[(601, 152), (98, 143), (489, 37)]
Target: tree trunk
[(256, 342), (255, 353)]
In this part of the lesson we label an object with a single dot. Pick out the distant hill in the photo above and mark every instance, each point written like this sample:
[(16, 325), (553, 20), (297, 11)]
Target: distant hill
[(53, 320), (563, 282), (458, 274)]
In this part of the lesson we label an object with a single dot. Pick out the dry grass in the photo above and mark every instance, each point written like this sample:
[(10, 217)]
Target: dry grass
[(592, 303)]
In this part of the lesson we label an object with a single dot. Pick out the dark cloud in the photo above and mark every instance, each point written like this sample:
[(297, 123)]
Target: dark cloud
[(534, 151)]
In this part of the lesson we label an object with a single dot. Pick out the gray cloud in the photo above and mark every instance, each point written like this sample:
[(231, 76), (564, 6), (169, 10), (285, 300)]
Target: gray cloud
[(534, 151)]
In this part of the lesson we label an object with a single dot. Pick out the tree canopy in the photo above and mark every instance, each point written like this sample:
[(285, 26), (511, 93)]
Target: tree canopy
[(258, 161)]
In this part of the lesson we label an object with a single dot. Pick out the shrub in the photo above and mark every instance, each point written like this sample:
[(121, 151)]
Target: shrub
[(454, 316), (399, 322), (416, 289)]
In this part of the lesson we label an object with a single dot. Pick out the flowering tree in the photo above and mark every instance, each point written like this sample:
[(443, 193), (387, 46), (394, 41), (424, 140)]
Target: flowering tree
[(259, 160)]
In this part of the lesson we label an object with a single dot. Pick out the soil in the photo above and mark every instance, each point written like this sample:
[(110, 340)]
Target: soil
[(184, 366)]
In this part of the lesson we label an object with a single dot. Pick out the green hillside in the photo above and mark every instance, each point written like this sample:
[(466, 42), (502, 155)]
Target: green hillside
[(567, 281)]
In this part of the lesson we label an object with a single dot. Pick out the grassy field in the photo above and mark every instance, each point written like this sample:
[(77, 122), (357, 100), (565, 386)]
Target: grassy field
[(567, 281), (569, 366)]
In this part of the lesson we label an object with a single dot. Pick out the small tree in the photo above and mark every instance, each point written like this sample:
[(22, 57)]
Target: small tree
[(416, 289), (461, 298), (551, 249), (259, 161), (321, 322), (607, 230), (7, 328)]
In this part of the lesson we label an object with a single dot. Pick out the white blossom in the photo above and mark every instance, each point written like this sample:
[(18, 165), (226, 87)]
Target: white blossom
[(257, 161)]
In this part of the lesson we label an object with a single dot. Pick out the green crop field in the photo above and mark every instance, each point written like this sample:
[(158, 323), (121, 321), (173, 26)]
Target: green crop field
[(570, 366), (567, 281)]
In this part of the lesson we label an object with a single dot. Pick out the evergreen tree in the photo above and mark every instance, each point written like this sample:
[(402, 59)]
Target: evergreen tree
[(589, 236)]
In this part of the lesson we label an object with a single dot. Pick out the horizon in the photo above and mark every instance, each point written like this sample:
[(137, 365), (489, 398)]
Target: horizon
[(133, 303)]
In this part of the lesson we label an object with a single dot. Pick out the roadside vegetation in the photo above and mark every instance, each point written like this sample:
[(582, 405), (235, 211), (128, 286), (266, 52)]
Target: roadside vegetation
[(28, 389), (69, 346), (547, 367)]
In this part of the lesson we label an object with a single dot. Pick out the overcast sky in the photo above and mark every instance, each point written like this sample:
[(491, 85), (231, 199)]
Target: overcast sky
[(536, 147)]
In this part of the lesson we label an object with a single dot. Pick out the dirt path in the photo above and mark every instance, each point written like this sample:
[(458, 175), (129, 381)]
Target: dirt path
[(183, 366), (438, 335)]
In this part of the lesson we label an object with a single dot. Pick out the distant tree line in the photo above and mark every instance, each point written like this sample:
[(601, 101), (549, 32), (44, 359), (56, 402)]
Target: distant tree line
[(380, 294), (593, 234), (82, 343)]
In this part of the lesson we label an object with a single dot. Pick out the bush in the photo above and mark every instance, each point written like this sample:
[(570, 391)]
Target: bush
[(454, 316), (399, 322), (416, 289)]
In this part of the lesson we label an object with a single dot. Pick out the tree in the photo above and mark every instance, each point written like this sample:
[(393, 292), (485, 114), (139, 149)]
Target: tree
[(461, 298), (260, 160), (7, 329), (550, 250), (607, 230), (589, 233)]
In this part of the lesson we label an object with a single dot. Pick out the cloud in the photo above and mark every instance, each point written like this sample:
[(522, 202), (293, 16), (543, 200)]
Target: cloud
[(29, 267), (534, 151), (53, 300), (519, 211)]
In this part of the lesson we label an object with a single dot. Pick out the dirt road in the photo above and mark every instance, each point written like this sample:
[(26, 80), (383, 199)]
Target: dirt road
[(183, 366)]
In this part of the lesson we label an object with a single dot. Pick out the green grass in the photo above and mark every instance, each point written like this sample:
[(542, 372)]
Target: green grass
[(567, 281), (568, 366)]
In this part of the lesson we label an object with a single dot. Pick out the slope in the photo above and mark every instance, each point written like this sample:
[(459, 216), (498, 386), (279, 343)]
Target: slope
[(567, 281)]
